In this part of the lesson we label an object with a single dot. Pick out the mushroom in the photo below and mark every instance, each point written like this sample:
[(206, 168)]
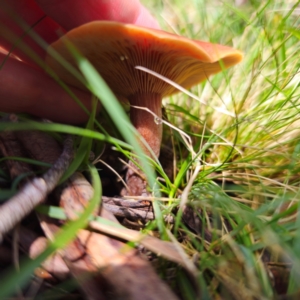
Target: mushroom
[(115, 49)]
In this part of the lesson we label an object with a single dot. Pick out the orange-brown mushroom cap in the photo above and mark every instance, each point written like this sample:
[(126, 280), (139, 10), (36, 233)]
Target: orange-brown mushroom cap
[(115, 50)]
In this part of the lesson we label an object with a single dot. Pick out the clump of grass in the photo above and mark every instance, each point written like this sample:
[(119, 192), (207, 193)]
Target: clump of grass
[(246, 166)]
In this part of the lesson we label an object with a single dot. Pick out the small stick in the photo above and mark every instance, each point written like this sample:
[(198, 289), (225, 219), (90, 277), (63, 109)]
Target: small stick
[(129, 212), (34, 192), (132, 209), (129, 203)]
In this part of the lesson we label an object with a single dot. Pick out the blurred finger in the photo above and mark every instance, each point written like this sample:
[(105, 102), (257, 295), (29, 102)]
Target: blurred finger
[(73, 13), (27, 90), (19, 16)]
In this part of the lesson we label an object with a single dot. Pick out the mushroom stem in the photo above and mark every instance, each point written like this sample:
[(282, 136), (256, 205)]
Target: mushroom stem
[(150, 128)]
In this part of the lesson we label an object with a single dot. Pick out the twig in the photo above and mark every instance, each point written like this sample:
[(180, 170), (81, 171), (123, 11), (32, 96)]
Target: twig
[(134, 210), (34, 192), (129, 212), (128, 203)]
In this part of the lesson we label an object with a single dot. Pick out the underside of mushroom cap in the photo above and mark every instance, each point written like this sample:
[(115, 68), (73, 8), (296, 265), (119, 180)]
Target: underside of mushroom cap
[(115, 49)]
